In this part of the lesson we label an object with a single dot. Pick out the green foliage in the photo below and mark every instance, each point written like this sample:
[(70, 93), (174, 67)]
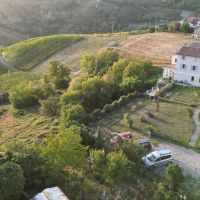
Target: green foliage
[(12, 79), (143, 70), (98, 161), (92, 93), (57, 75), (72, 114), (99, 64), (152, 29), (150, 128), (127, 121), (26, 95), (27, 54), (12, 181), (185, 28), (131, 84), (174, 176), (115, 170), (64, 151), (50, 106), (115, 73), (111, 166)]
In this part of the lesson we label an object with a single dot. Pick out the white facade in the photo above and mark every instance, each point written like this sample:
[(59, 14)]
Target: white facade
[(187, 70)]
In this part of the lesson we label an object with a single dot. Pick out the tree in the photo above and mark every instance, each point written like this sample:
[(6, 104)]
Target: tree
[(185, 28), (71, 114), (88, 63), (174, 176), (115, 73), (99, 64), (64, 151), (12, 181), (98, 161), (143, 70), (131, 84), (92, 93), (115, 168), (57, 75)]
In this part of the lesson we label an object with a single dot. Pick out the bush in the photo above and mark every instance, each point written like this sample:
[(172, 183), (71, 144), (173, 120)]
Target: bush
[(50, 106), (26, 95)]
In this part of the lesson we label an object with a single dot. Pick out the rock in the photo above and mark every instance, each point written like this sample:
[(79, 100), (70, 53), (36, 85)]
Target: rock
[(4, 98)]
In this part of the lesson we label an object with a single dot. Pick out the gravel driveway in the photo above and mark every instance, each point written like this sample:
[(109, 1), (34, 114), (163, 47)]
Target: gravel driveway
[(187, 159)]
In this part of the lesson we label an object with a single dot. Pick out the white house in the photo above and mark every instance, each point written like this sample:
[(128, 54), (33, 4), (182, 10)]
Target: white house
[(185, 66)]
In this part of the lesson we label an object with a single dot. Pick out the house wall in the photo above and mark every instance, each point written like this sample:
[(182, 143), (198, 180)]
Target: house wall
[(185, 72)]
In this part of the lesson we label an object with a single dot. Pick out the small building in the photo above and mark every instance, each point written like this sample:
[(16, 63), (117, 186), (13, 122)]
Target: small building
[(54, 193), (185, 67)]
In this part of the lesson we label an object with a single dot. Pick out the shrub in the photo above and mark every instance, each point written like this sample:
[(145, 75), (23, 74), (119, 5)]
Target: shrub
[(50, 106), (25, 95)]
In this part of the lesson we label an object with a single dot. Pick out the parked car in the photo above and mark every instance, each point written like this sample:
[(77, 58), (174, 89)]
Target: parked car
[(121, 136), (145, 143), (156, 158)]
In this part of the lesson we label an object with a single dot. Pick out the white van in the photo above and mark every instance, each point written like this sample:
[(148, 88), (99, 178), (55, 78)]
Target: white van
[(160, 157)]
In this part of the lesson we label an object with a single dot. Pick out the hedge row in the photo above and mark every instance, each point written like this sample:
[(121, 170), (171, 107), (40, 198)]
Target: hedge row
[(108, 108)]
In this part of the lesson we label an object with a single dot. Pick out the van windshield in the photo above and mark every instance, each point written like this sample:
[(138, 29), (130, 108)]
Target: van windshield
[(151, 157)]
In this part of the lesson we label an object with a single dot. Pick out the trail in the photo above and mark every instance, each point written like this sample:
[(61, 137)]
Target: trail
[(196, 132)]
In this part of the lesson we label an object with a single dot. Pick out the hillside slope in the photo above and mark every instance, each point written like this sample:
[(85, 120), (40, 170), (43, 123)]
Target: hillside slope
[(27, 54)]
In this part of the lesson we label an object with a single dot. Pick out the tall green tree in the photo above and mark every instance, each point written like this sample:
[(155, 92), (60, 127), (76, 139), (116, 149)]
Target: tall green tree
[(57, 75)]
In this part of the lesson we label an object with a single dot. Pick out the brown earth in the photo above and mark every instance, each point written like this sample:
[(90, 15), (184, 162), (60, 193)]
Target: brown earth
[(158, 47)]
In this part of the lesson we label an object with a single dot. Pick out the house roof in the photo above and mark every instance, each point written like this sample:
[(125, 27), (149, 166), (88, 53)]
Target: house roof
[(192, 50)]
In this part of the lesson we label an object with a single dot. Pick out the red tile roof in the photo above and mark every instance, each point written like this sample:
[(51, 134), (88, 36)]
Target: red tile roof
[(193, 50)]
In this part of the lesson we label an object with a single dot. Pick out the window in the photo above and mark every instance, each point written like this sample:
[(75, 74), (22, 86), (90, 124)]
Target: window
[(193, 68), (183, 66), (183, 57), (157, 160), (192, 78), (175, 60), (166, 157)]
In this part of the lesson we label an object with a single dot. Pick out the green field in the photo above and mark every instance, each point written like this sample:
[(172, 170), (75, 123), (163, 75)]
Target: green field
[(11, 79), (27, 54), (171, 121), (190, 95)]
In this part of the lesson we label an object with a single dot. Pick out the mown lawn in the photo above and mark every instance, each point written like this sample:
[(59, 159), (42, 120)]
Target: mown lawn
[(189, 95), (27, 54), (171, 120)]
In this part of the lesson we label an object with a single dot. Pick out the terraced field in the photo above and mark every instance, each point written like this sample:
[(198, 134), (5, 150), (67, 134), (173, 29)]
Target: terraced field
[(71, 56)]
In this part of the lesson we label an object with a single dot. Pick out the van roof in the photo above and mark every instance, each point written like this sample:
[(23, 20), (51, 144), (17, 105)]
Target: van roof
[(160, 152)]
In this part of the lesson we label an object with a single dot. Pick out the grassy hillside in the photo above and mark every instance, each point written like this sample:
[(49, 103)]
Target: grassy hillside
[(27, 54), (9, 80)]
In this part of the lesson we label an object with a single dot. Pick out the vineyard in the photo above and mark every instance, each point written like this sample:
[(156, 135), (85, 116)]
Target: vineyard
[(71, 55), (29, 53), (10, 80)]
